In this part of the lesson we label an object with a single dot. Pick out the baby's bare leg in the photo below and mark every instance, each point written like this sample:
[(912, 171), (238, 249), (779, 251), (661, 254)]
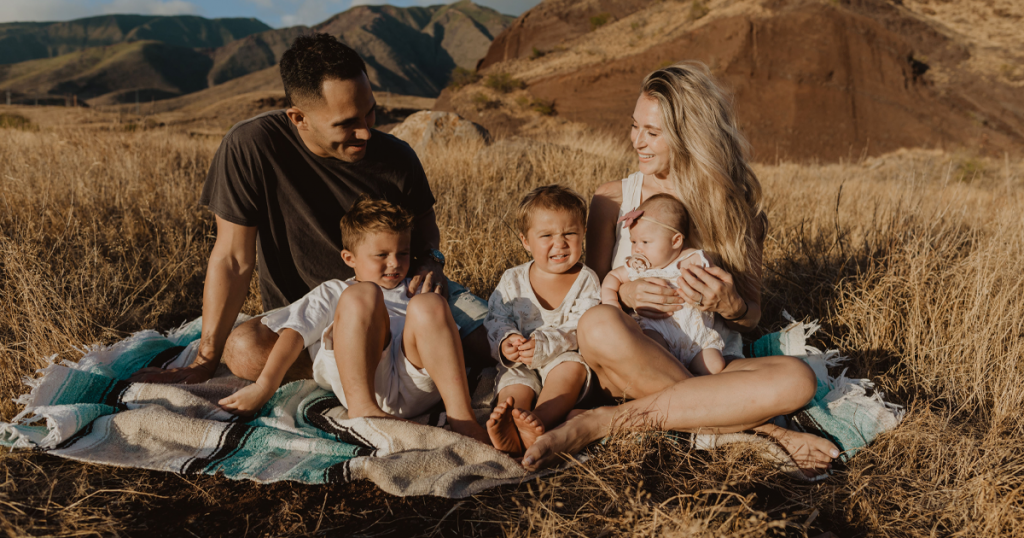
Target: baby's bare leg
[(431, 342), (708, 361), (657, 337)]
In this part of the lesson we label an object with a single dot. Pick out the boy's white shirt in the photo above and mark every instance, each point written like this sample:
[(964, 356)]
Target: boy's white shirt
[(313, 314), (514, 309)]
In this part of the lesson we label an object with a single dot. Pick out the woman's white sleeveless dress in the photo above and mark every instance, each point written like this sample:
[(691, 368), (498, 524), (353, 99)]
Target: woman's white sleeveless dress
[(632, 187)]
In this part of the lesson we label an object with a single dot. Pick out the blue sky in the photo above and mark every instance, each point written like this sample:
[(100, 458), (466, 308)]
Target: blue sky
[(276, 13)]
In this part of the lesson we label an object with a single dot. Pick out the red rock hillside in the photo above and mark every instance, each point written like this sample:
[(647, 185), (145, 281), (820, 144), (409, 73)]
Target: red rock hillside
[(811, 79)]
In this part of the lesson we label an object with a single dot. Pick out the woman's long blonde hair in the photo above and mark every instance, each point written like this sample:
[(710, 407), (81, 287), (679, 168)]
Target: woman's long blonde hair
[(709, 166)]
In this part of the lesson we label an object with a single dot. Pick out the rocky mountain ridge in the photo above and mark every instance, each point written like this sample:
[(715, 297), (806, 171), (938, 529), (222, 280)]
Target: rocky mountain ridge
[(410, 51)]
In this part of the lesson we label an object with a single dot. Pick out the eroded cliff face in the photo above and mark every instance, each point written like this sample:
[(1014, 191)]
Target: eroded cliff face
[(810, 79)]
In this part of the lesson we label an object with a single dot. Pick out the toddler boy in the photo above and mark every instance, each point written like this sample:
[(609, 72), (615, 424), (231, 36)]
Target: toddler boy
[(532, 317)]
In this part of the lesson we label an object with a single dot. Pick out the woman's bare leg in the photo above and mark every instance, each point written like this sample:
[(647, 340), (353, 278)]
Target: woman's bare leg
[(743, 396)]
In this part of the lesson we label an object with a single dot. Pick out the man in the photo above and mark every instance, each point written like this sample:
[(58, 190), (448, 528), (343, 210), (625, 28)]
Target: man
[(278, 186)]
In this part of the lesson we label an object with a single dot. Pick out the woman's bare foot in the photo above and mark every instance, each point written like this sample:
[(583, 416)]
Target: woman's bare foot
[(530, 427), (501, 428), (812, 454), (569, 438)]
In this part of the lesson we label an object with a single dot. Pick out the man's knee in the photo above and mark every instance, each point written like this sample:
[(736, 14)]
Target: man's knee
[(247, 348)]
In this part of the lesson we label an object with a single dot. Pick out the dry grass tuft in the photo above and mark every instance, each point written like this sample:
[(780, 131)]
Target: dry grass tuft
[(914, 273)]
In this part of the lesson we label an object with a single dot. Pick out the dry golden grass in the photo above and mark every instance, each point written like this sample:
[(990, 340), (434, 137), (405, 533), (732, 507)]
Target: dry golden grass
[(914, 263)]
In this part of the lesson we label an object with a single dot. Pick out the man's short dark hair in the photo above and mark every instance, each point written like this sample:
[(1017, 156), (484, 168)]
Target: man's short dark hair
[(313, 59)]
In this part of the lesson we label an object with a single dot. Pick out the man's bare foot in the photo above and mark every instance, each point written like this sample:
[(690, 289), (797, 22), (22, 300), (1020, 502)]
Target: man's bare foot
[(812, 454), (569, 438), (501, 428), (530, 427)]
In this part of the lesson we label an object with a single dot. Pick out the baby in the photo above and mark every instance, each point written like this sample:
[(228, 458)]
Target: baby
[(382, 353), (531, 321), (659, 251)]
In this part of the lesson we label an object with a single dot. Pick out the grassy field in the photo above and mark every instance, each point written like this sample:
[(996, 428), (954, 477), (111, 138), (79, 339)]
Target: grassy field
[(913, 262)]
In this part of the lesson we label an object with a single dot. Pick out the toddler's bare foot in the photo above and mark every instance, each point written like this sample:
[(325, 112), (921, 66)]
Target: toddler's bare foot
[(812, 454), (530, 427), (501, 428)]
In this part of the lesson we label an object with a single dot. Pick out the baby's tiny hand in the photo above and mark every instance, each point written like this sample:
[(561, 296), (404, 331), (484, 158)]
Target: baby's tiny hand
[(526, 350), (247, 401), (510, 347)]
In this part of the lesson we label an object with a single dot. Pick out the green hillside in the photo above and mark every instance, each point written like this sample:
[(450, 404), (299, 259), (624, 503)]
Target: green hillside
[(409, 51), (157, 70), (21, 41)]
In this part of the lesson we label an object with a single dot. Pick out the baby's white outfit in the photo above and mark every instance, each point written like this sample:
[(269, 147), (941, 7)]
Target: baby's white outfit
[(688, 331), (514, 309), (632, 189), (401, 389)]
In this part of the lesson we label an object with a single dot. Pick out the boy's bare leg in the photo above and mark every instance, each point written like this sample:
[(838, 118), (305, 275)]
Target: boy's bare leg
[(501, 427), (431, 342), (361, 322)]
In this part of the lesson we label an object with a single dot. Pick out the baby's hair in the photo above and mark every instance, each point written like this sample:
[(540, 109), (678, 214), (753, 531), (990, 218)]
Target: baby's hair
[(553, 197), (670, 211), (369, 216)]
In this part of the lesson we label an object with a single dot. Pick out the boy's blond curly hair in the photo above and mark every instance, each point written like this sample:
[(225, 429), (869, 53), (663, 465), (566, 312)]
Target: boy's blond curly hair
[(369, 216)]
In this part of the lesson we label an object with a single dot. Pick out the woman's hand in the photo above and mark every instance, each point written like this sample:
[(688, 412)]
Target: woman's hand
[(711, 289), (651, 298)]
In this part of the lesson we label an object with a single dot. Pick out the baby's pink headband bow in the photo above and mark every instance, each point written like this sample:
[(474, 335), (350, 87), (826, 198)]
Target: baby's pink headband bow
[(630, 218)]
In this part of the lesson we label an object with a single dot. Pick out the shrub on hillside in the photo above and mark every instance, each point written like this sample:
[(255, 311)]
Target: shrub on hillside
[(14, 121), (462, 77), (698, 9), (504, 82), (599, 20)]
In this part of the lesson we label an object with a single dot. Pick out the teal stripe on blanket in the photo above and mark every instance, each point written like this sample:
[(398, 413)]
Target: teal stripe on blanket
[(91, 414), (841, 409)]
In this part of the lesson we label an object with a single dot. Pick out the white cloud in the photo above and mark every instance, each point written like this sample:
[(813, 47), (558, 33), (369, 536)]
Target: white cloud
[(151, 7), (43, 10)]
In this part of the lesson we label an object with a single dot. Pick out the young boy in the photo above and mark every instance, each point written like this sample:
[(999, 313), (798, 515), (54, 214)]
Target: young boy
[(382, 353), (531, 320)]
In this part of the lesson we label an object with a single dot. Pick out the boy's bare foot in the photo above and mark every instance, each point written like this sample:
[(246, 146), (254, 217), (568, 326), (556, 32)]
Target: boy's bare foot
[(501, 428), (568, 438), (530, 427), (812, 454)]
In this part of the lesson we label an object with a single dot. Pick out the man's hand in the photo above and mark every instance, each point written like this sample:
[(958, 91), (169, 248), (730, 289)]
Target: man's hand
[(510, 346), (429, 278), (248, 400), (198, 372)]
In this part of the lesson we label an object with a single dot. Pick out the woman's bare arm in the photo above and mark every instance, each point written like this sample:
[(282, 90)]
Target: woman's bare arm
[(604, 211)]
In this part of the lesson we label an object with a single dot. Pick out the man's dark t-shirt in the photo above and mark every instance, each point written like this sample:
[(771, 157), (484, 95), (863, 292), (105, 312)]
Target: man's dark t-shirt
[(264, 176)]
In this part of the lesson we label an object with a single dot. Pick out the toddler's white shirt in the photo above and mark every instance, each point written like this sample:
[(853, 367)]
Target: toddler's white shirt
[(514, 309)]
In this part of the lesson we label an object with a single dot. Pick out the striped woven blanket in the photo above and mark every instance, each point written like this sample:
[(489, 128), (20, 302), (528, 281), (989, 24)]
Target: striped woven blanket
[(87, 411)]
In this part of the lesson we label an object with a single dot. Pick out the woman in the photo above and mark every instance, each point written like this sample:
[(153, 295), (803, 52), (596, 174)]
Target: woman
[(688, 146)]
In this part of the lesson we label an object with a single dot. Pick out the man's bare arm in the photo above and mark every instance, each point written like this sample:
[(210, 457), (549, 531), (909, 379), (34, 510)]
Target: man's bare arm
[(427, 274), (227, 283)]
